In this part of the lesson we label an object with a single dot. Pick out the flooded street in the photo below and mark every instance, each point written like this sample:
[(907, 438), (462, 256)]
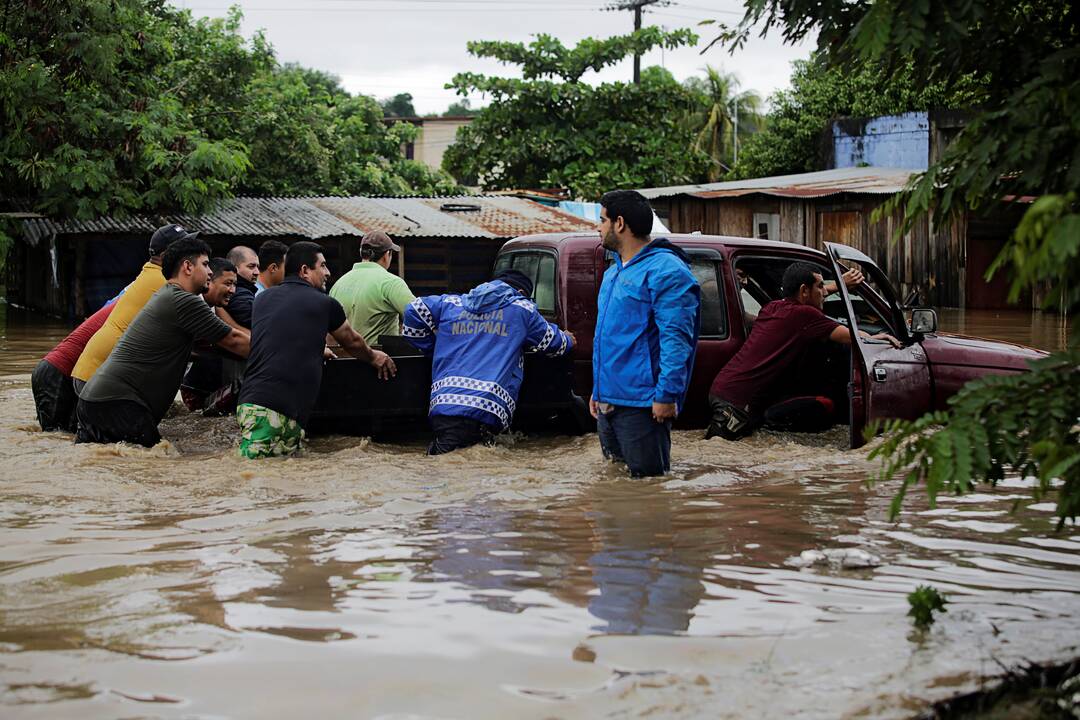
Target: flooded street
[(528, 580)]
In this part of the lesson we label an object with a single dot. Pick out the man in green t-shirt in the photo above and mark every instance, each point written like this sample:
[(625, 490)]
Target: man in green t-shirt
[(374, 299)]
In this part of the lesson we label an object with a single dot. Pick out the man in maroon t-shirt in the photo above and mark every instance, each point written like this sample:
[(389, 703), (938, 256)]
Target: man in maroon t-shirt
[(745, 391), (54, 396)]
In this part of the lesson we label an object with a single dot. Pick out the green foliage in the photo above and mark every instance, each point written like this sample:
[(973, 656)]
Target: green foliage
[(722, 112), (113, 107), (1021, 142), (91, 124), (461, 107), (550, 129), (924, 601), (791, 140), (399, 106), (1024, 424)]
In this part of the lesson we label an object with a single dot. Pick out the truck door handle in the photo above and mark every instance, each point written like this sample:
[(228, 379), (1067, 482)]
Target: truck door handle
[(880, 374)]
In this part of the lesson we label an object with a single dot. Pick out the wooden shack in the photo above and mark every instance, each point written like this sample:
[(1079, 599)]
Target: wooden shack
[(70, 268), (946, 265)]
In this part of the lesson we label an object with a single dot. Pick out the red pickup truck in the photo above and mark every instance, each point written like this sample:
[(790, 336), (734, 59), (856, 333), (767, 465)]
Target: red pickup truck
[(869, 380)]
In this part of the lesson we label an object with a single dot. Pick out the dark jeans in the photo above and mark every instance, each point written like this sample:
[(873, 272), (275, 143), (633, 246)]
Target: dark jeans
[(630, 435), (54, 398), (116, 421), (453, 432)]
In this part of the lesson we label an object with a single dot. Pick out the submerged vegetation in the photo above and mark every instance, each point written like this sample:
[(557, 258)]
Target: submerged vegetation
[(924, 601)]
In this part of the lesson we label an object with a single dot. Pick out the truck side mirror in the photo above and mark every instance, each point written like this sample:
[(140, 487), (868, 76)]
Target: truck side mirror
[(923, 321)]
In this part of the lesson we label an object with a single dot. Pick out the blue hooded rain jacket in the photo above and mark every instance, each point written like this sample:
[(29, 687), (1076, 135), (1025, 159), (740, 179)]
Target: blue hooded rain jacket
[(646, 328), (477, 341)]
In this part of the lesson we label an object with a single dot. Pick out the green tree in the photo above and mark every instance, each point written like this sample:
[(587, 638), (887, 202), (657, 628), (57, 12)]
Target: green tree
[(399, 106), (93, 122), (791, 139), (551, 129), (460, 108), (114, 107), (1024, 140), (724, 116), (302, 132)]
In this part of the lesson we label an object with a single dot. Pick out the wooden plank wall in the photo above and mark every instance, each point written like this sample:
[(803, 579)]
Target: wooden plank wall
[(933, 262), (795, 215), (438, 265), (730, 216)]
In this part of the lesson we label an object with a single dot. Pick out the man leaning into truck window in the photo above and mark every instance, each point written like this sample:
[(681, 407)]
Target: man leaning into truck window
[(477, 341), (748, 391), (646, 332)]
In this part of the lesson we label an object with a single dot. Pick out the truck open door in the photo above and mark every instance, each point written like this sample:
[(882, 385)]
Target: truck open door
[(886, 382)]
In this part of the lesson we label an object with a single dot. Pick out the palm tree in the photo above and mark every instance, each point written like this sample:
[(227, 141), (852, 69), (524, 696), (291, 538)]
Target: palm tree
[(724, 118)]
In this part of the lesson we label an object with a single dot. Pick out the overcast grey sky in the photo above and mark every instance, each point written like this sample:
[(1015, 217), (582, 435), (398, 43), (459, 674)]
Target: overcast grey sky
[(383, 47)]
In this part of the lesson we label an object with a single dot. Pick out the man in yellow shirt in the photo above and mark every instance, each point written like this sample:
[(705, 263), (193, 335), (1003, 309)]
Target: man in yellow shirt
[(148, 282), (374, 299)]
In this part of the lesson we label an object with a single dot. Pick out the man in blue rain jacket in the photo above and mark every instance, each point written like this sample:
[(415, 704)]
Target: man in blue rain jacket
[(646, 331), (477, 341)]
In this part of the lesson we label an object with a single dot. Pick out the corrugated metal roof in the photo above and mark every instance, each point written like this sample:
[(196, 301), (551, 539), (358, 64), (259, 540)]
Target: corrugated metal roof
[(857, 180), (314, 218)]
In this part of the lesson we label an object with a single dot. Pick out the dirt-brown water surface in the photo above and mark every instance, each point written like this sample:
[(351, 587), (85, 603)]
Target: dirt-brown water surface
[(526, 580)]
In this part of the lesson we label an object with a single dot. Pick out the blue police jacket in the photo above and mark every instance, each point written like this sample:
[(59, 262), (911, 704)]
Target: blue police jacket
[(646, 328), (477, 342)]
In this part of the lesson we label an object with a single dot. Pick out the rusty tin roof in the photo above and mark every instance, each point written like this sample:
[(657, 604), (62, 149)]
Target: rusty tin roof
[(858, 180), (313, 218)]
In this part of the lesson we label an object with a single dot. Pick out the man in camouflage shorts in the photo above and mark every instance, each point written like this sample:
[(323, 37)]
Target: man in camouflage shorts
[(265, 432), (288, 339)]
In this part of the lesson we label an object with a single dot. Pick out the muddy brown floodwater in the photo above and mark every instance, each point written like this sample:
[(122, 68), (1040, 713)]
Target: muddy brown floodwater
[(528, 580)]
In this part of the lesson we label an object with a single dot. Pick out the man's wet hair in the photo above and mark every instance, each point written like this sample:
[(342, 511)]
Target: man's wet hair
[(271, 252), (300, 254), (179, 251), (220, 265), (632, 207), (797, 275)]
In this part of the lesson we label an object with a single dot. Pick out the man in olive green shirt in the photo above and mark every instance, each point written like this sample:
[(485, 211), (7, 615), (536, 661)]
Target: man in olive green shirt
[(374, 299)]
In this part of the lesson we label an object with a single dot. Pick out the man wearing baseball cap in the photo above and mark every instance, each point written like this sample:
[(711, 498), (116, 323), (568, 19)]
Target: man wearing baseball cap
[(374, 298), (135, 296)]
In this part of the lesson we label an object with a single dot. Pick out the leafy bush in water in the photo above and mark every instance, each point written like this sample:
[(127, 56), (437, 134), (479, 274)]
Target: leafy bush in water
[(924, 601), (1008, 423)]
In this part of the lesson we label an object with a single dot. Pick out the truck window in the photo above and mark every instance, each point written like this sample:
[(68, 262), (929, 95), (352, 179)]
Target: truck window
[(713, 316), (538, 267), (760, 283), (544, 294)]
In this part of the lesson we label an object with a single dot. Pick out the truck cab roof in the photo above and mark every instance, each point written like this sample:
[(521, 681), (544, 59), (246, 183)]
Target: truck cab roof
[(559, 241)]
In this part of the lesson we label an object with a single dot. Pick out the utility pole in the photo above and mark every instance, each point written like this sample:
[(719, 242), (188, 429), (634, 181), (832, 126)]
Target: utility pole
[(636, 6), (735, 132)]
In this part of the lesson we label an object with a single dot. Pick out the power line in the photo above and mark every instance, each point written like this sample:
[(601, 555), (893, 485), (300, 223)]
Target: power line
[(524, 8)]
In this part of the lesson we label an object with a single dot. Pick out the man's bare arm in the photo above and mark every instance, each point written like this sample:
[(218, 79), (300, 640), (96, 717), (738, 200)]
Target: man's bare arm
[(230, 321), (843, 336), (237, 342), (354, 344)]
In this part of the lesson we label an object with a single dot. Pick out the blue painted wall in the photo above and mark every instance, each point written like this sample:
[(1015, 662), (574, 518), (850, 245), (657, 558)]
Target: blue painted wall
[(896, 141)]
